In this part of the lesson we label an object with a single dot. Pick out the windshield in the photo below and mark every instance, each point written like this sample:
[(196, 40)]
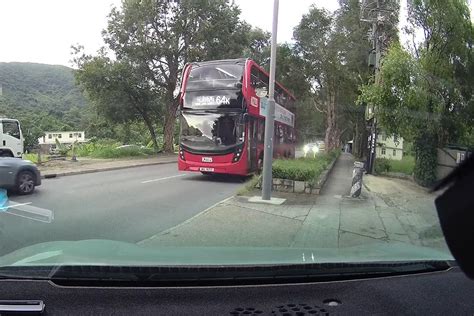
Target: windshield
[(109, 156), (215, 76), (211, 131)]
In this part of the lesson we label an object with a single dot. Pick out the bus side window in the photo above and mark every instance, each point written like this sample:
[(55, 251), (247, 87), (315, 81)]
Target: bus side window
[(254, 79), (264, 79)]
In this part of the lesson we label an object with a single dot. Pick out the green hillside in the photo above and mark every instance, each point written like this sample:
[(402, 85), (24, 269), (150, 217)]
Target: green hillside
[(28, 86), (43, 97)]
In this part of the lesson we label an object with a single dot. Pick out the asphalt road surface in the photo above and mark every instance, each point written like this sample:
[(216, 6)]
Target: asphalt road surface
[(127, 205)]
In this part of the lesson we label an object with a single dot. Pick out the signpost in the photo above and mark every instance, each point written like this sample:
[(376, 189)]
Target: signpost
[(269, 120)]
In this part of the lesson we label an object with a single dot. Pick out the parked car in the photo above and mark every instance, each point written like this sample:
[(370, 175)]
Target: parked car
[(19, 175)]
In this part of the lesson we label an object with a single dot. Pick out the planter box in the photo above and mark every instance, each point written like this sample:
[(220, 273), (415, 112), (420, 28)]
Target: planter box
[(285, 185)]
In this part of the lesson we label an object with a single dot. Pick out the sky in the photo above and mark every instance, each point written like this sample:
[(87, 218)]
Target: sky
[(43, 31)]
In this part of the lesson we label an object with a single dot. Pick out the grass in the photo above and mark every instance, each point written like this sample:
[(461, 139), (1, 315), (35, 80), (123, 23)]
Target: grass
[(405, 165), (120, 152), (109, 150), (249, 185), (33, 157)]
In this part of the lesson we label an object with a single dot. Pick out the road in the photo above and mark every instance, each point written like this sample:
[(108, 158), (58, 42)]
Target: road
[(126, 205)]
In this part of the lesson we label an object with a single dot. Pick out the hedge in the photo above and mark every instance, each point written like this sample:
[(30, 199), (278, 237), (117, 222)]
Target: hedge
[(302, 169)]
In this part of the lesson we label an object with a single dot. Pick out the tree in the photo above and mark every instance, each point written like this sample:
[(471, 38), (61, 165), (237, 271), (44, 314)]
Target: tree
[(426, 96), (315, 45), (334, 51), (119, 91), (351, 36), (309, 123), (259, 46), (159, 37)]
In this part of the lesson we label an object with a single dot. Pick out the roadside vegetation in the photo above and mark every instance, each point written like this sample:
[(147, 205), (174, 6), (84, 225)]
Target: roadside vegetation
[(250, 185), (34, 157), (105, 149), (111, 150), (405, 166), (302, 169)]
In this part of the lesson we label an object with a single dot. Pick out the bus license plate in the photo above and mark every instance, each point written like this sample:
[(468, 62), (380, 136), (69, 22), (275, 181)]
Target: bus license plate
[(206, 159), (206, 169)]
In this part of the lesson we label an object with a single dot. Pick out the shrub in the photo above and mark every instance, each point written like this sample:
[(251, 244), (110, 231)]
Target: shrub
[(382, 165), (302, 169)]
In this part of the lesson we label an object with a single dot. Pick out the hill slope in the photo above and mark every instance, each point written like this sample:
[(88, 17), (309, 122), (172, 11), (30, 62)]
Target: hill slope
[(39, 87), (43, 97)]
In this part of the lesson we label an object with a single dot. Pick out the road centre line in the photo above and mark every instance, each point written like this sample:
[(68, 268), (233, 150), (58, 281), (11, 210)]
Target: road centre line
[(165, 178)]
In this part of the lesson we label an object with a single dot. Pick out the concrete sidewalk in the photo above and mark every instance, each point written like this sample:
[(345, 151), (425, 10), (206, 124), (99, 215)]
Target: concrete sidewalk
[(389, 210), (85, 165), (322, 226)]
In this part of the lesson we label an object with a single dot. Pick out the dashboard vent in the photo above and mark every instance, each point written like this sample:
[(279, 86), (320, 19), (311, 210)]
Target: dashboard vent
[(283, 310), (241, 311), (299, 310)]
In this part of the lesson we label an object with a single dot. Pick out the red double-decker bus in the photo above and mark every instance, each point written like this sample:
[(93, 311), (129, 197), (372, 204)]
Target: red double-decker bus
[(223, 106)]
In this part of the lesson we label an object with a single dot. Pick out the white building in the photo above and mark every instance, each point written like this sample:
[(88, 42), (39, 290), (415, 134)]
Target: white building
[(49, 138), (389, 146)]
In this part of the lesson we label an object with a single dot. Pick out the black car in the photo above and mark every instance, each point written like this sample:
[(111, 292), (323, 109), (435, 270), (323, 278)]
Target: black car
[(19, 175)]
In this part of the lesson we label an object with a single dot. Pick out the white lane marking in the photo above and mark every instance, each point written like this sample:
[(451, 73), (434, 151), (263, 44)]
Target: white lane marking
[(14, 205), (25, 210), (165, 178)]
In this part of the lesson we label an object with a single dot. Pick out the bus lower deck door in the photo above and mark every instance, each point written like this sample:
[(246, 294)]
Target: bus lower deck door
[(252, 143)]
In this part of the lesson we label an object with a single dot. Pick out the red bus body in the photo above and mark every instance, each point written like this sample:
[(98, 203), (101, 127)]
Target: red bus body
[(230, 119)]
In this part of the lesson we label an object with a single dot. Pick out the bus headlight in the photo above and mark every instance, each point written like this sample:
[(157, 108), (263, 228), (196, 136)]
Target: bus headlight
[(181, 153), (237, 155)]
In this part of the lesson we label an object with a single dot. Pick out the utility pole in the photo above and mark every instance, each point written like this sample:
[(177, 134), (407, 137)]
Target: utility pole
[(373, 130), (376, 14), (269, 119)]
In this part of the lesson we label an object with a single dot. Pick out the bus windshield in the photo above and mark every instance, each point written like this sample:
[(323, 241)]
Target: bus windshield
[(211, 131), (215, 76)]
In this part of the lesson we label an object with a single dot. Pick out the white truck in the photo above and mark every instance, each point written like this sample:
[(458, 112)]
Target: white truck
[(11, 138)]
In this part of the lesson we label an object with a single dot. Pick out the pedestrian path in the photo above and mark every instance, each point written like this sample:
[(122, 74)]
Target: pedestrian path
[(321, 227), (340, 179)]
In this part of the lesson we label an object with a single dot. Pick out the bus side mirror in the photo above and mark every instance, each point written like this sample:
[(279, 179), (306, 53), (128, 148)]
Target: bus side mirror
[(246, 117)]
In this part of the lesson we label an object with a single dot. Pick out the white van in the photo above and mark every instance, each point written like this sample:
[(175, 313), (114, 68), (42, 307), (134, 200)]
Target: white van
[(11, 138)]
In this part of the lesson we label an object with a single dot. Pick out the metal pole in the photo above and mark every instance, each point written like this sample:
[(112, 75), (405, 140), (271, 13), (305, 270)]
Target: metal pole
[(373, 129), (269, 120)]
